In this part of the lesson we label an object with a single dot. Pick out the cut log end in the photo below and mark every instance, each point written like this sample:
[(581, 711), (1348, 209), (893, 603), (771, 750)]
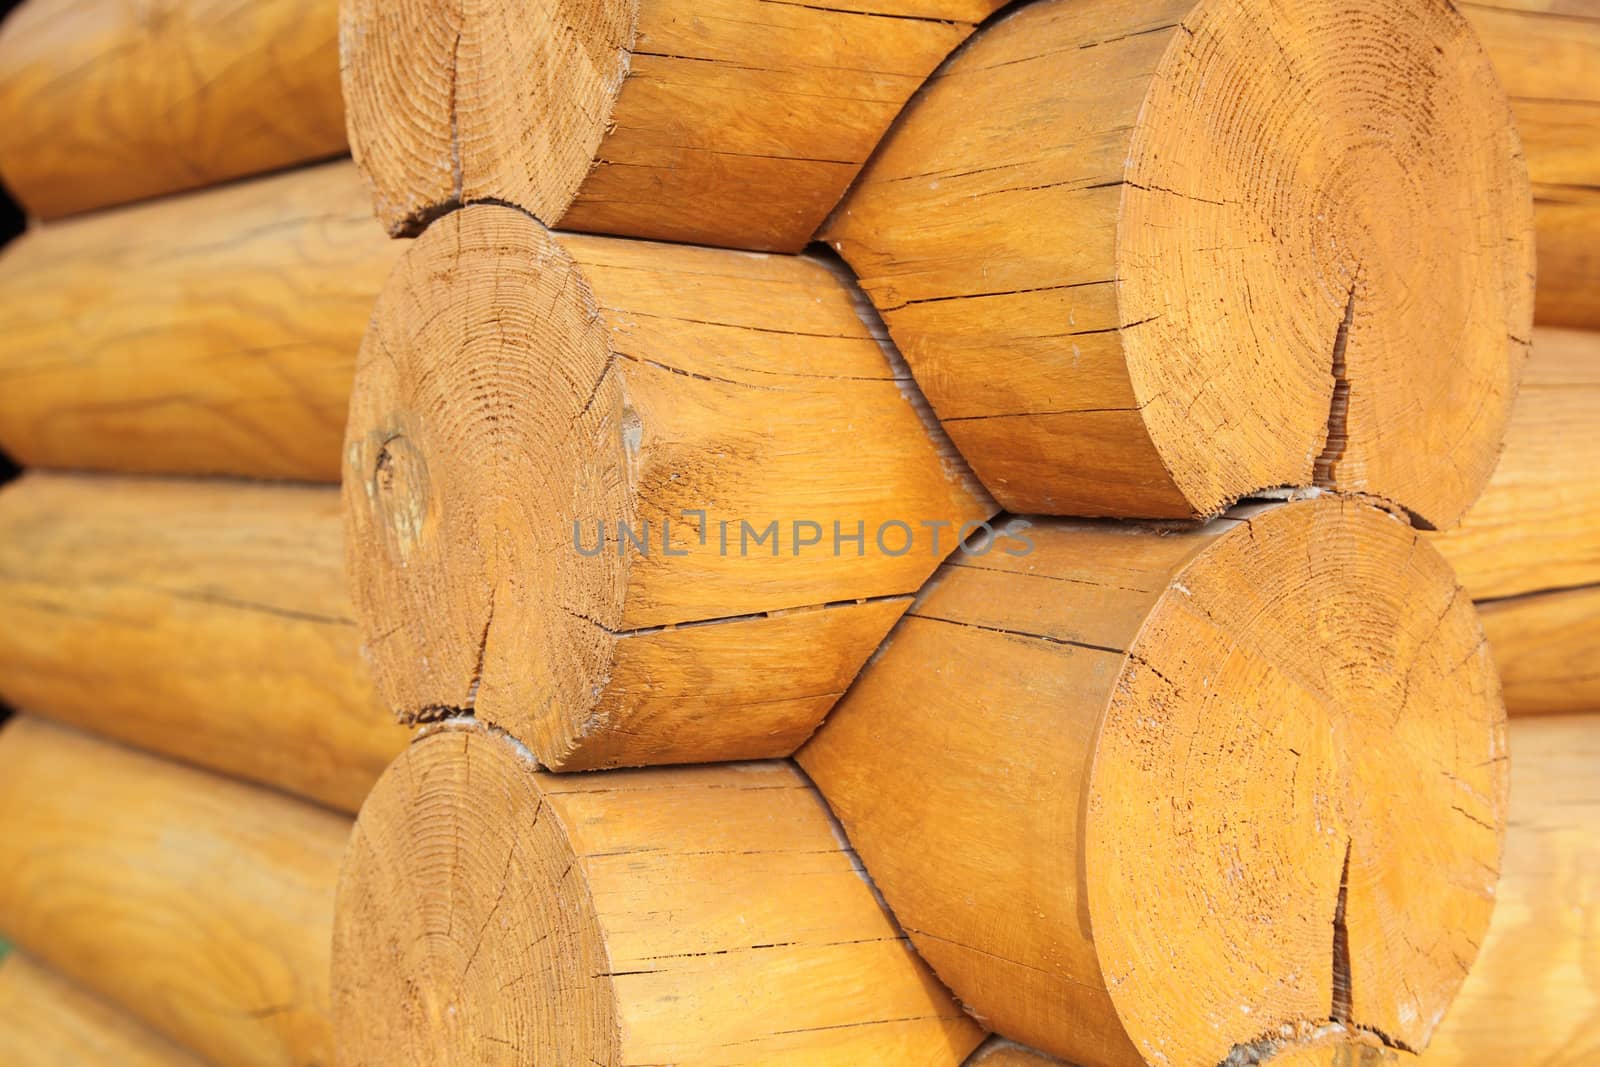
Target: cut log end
[(1310, 232), (1233, 789), (463, 929), (1308, 731), (445, 107), (459, 517), (1232, 263)]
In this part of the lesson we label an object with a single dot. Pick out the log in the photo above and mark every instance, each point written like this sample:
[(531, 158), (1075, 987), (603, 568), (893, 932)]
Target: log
[(1537, 525), (46, 1021), (1546, 53), (109, 103), (206, 621), (213, 333), (724, 122), (198, 904), (1213, 796), (1545, 646), (1117, 316), (493, 914), (1534, 996), (595, 490)]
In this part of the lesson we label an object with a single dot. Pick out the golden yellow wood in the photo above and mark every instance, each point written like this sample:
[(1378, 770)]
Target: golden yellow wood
[(46, 1021), (1217, 793), (1148, 258), (213, 333), (204, 620), (724, 122), (518, 389), (199, 904), (1537, 525), (1546, 53), (493, 914), (107, 102), (1533, 996), (1546, 647)]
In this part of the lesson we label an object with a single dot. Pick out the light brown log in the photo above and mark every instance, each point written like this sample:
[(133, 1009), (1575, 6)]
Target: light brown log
[(204, 620), (1149, 258), (518, 388), (46, 1021), (490, 913), (213, 333), (1533, 996), (724, 122), (199, 904), (1537, 525), (1212, 796), (111, 102), (1547, 649), (1546, 53)]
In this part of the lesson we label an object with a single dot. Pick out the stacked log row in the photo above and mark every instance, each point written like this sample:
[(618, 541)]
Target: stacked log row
[(1216, 795), (634, 503), (200, 905), (1546, 53), (106, 104), (207, 334), (207, 621), (1533, 995), (736, 123), (46, 1021), (1529, 550)]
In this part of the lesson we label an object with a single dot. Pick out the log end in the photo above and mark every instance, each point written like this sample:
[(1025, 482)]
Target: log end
[(463, 930), (1298, 799), (460, 521), (448, 104), (1334, 284)]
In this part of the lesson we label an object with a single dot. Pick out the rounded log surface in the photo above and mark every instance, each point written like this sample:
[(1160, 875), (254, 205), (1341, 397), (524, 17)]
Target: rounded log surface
[(492, 913), (109, 101), (1219, 792), (1147, 259)]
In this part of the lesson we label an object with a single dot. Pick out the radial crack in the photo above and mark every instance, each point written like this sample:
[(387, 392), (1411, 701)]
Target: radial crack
[(1338, 438), (1341, 946)]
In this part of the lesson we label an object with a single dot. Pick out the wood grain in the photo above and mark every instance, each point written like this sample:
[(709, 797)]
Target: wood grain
[(204, 620), (724, 122), (519, 388), (1533, 997), (1537, 525), (1547, 53), (1547, 649), (1146, 259), (46, 1021), (493, 914), (213, 333), (1212, 795), (199, 904), (109, 101)]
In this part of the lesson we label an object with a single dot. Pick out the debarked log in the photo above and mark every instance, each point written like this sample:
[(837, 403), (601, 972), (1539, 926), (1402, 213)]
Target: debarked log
[(634, 503)]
